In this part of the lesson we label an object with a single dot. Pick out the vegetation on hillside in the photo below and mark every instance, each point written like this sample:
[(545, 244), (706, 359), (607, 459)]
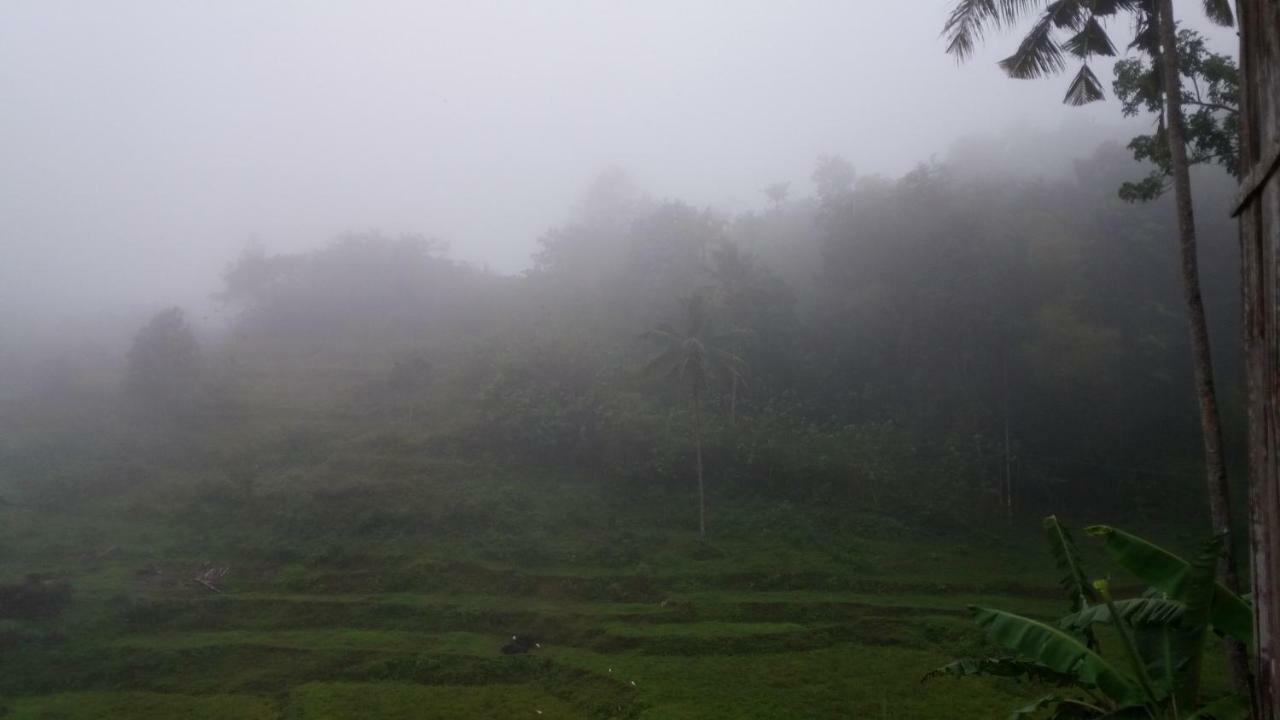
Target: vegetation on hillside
[(390, 462)]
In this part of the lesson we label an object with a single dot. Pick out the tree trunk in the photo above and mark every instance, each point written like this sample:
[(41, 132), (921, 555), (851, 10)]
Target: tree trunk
[(697, 444), (1211, 428), (1258, 206)]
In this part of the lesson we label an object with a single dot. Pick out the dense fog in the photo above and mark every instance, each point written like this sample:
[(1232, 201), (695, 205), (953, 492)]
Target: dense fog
[(722, 344), (146, 143)]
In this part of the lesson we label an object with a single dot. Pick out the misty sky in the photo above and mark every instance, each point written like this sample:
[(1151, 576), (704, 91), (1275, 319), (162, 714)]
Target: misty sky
[(144, 143)]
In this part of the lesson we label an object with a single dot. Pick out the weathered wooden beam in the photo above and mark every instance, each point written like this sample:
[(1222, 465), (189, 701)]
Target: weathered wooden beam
[(1259, 211), (1257, 178)]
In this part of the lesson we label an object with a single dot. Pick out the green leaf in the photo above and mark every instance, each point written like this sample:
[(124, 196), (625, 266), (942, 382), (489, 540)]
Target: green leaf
[(1161, 569), (1080, 594), (1063, 709), (1231, 707), (1136, 660), (1135, 611), (1058, 651), (1159, 648), (1129, 712), (1194, 625)]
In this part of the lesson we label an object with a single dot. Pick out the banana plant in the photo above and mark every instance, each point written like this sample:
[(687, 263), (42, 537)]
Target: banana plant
[(1230, 614), (1081, 595), (1156, 669)]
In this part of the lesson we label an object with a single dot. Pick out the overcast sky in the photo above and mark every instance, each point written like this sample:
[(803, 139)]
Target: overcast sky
[(143, 143)]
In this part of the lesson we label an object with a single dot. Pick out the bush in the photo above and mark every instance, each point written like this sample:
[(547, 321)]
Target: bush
[(35, 598)]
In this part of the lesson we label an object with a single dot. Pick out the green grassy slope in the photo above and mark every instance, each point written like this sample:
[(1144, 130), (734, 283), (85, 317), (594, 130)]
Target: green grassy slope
[(375, 584)]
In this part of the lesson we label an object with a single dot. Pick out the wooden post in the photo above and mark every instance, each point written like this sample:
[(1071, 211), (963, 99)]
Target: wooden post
[(1258, 207)]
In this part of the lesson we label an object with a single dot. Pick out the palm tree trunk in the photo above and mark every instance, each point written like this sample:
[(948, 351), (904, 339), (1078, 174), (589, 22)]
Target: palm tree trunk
[(1210, 425), (697, 444)]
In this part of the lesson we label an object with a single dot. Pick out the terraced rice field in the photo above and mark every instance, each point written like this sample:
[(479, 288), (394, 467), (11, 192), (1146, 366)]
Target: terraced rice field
[(633, 618), (177, 650)]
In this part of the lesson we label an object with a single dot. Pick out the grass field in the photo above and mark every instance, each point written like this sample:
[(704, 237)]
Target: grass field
[(380, 587)]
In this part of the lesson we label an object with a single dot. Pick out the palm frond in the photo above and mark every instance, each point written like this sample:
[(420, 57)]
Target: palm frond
[(1067, 14), (1084, 89), (662, 362), (731, 367), (965, 26), (696, 356), (1219, 12), (1038, 54), (969, 19), (696, 312), (662, 333), (1146, 34), (1106, 8), (1091, 40), (734, 334), (1075, 14)]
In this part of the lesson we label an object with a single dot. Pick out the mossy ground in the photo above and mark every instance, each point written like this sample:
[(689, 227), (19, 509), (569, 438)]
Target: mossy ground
[(379, 594)]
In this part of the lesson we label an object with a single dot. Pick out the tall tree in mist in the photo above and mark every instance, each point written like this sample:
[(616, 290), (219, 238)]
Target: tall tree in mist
[(777, 193), (164, 364), (1043, 52), (695, 357), (1211, 91)]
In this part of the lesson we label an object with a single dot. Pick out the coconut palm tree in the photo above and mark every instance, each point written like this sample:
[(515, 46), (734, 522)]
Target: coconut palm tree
[(696, 357), (1044, 51)]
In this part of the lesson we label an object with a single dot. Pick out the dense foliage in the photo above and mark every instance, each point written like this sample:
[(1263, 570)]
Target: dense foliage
[(1161, 636)]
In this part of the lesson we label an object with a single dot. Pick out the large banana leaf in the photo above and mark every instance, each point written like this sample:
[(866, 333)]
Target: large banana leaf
[(1164, 649), (1231, 707), (1130, 712), (1228, 612), (1135, 611), (1058, 651), (1080, 594), (1128, 644), (1194, 626), (1063, 708), (1154, 623)]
